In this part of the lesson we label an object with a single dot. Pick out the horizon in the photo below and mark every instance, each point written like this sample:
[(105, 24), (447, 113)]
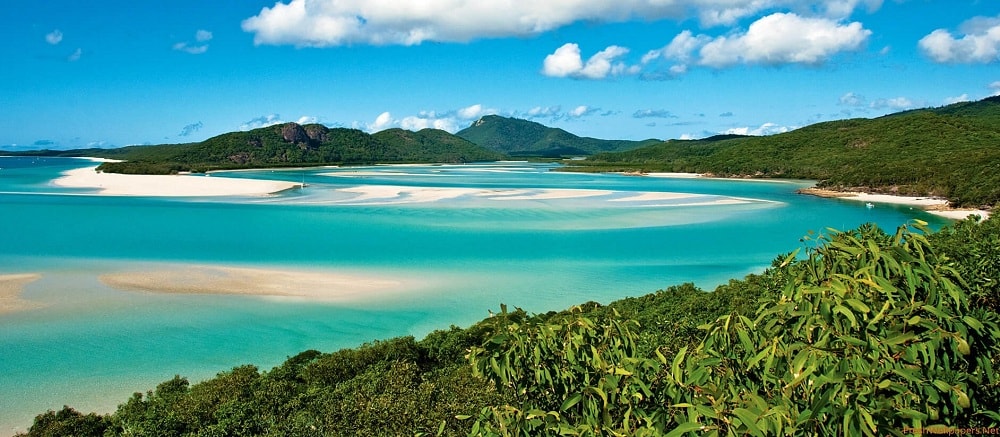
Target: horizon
[(116, 73)]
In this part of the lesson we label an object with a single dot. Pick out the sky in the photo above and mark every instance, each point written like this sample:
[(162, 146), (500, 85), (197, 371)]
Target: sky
[(111, 73)]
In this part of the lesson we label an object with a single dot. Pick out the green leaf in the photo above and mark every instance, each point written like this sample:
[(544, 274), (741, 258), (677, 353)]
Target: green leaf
[(973, 322), (571, 401), (675, 367), (685, 428), (749, 419)]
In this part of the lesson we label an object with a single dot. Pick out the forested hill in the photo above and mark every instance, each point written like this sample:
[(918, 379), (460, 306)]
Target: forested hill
[(291, 144), (516, 137), (951, 151)]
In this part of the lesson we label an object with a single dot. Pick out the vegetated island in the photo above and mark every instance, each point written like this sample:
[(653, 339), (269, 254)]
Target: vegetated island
[(951, 152), (868, 333)]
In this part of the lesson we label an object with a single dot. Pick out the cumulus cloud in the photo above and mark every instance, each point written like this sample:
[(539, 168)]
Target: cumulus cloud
[(567, 62), (896, 103), (201, 37), (978, 42), (324, 23), (764, 129), (54, 37), (852, 99), (653, 113), (451, 120), (956, 99), (190, 129), (784, 38), (582, 111), (262, 121), (995, 86)]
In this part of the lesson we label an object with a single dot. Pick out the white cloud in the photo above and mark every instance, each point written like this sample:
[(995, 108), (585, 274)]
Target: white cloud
[(75, 56), (980, 43), (202, 37), (471, 112), (784, 38), (306, 119), (262, 121), (764, 129), (54, 37), (956, 99), (653, 113), (897, 103), (581, 111), (324, 23), (190, 129), (382, 122), (852, 99), (566, 62), (995, 86)]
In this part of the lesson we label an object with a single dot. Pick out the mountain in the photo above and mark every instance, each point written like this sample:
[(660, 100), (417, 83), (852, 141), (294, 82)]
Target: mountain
[(951, 151), (516, 137), (290, 144)]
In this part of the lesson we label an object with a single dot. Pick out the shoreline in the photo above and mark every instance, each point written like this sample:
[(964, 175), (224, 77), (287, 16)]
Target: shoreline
[(11, 287), (114, 184), (932, 205)]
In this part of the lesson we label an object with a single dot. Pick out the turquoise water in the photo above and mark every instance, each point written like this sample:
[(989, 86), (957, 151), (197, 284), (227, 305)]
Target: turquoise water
[(487, 234)]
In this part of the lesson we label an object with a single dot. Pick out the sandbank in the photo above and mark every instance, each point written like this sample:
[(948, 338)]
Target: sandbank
[(11, 287), (933, 205), (114, 184), (314, 285)]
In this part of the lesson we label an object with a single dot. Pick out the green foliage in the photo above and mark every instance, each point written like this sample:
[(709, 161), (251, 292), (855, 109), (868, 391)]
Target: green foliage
[(868, 335), (569, 375), (518, 137), (68, 422), (950, 152)]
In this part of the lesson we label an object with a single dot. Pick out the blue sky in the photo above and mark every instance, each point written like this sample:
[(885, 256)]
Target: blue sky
[(110, 73)]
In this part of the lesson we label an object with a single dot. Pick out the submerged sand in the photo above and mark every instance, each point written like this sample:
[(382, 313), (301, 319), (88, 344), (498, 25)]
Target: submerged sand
[(114, 184), (11, 287), (256, 282)]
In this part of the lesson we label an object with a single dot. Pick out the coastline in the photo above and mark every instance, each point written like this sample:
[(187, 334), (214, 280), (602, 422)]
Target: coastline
[(932, 205), (11, 287), (114, 184)]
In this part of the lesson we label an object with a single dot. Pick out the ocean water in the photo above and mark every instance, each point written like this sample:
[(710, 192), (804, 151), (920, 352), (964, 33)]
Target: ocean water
[(468, 237)]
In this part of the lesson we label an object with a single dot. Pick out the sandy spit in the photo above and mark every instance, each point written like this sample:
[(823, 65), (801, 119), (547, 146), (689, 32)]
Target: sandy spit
[(113, 184), (323, 286), (11, 287), (933, 205)]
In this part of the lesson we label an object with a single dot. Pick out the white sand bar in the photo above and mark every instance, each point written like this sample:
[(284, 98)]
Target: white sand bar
[(114, 184), (933, 205), (315, 285), (11, 287)]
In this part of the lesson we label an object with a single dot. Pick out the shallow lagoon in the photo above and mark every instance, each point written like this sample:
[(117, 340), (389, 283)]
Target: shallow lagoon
[(473, 236)]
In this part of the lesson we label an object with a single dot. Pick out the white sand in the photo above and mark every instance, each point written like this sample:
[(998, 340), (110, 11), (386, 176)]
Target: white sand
[(543, 194), (933, 205), (114, 184), (324, 286), (11, 287), (654, 196)]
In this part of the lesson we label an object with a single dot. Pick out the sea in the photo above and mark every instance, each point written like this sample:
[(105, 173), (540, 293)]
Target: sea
[(476, 235)]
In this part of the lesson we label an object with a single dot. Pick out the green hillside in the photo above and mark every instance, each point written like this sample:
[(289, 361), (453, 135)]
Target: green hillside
[(289, 144), (516, 137), (951, 152)]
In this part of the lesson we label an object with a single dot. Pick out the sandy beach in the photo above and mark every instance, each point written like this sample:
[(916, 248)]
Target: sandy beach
[(114, 184), (323, 286), (11, 287), (933, 205)]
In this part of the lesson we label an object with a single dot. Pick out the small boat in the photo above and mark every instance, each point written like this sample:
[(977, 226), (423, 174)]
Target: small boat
[(869, 205)]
